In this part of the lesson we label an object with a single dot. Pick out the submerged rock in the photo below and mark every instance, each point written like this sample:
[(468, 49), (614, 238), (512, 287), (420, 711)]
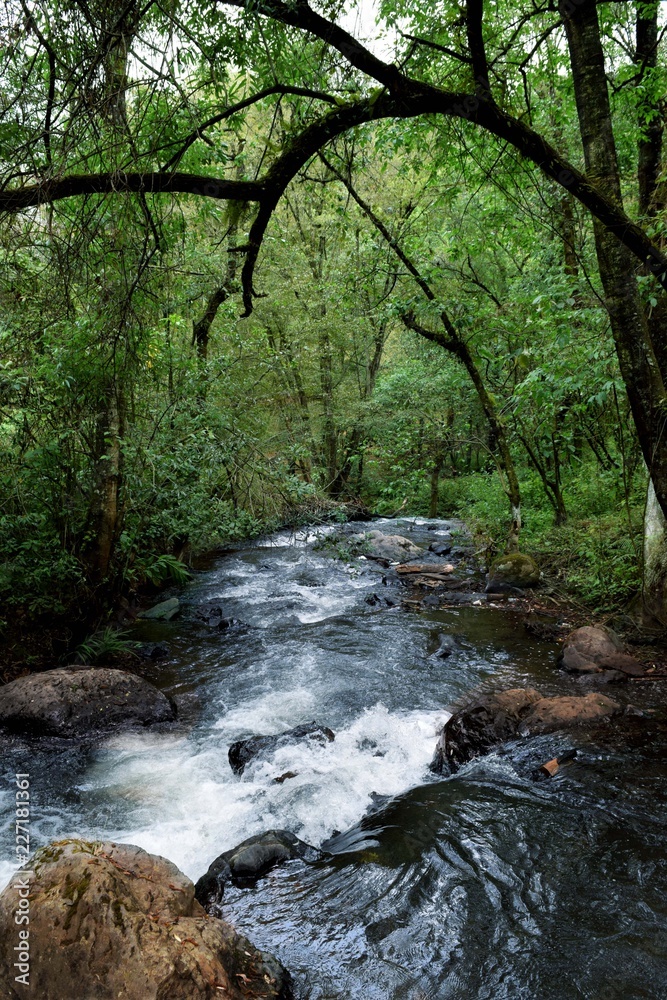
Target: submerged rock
[(604, 677), (591, 649), (164, 611), (154, 651), (495, 718), (514, 569), (214, 615), (110, 920), (243, 865), (71, 701), (243, 751), (447, 646), (285, 776)]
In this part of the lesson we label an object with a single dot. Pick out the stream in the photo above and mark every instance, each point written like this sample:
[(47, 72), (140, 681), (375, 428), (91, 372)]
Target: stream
[(487, 884)]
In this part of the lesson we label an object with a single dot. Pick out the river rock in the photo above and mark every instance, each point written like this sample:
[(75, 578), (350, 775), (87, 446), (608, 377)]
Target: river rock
[(495, 718), (481, 725), (395, 548), (440, 548), (626, 664), (164, 611), (591, 649), (154, 651), (72, 701), (243, 751), (549, 714), (243, 865), (602, 677), (111, 921), (214, 615), (514, 569)]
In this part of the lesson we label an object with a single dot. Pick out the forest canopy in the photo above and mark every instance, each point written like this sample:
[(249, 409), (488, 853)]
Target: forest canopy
[(262, 259)]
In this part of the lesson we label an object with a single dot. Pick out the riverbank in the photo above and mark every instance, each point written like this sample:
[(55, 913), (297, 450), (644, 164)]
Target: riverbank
[(590, 565)]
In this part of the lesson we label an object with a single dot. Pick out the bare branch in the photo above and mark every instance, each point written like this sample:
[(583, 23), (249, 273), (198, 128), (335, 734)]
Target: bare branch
[(438, 48)]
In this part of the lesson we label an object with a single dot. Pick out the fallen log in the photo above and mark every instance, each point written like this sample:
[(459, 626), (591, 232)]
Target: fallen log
[(424, 569)]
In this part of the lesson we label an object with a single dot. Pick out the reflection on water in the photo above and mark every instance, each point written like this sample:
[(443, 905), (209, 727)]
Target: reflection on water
[(485, 885)]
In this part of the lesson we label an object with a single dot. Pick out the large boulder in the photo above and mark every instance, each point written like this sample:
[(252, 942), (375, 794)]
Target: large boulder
[(590, 650), (243, 865), (243, 751), (480, 726), (112, 922), (394, 548), (512, 570), (495, 718), (72, 701)]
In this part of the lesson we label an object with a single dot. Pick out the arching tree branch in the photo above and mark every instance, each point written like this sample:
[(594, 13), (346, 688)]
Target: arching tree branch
[(409, 98), (286, 167), (108, 183), (402, 98)]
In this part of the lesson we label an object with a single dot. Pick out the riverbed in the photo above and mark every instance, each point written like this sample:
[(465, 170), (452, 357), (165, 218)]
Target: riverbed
[(487, 884)]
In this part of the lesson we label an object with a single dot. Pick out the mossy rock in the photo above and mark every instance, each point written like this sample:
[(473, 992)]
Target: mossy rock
[(512, 570), (110, 920)]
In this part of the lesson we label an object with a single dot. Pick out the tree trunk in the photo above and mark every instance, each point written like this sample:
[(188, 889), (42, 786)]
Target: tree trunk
[(649, 152), (329, 435), (201, 328), (654, 584), (638, 361), (497, 429), (103, 514), (551, 485), (434, 500), (104, 510), (356, 437)]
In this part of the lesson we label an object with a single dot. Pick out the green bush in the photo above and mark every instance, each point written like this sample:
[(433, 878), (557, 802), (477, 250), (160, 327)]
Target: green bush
[(594, 557)]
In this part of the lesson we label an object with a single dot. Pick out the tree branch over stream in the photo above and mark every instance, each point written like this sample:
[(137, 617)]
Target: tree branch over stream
[(116, 182), (401, 97)]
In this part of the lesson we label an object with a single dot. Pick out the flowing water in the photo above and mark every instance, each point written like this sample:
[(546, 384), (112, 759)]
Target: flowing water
[(484, 885)]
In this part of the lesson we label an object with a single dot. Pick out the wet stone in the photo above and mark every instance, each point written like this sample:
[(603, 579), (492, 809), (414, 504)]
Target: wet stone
[(154, 651), (243, 865), (592, 649), (494, 719), (480, 726), (73, 701), (448, 645), (243, 751), (440, 548)]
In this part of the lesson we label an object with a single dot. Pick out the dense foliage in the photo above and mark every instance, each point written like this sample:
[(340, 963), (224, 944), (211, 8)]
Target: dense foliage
[(429, 318)]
